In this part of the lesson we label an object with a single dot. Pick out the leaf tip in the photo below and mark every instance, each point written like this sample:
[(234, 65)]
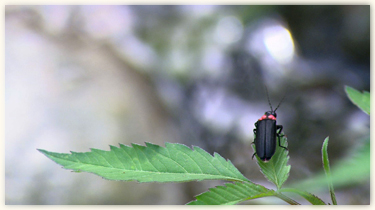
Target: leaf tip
[(44, 152)]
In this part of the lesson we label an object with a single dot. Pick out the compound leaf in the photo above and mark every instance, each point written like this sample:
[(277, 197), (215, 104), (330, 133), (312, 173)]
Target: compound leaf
[(150, 163)]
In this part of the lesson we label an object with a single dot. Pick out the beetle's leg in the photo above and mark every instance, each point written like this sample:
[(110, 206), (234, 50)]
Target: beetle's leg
[(255, 132), (280, 128), (282, 146)]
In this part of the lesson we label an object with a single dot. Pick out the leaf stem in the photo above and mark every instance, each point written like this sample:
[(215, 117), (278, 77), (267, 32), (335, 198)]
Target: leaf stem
[(308, 196), (328, 171), (287, 199)]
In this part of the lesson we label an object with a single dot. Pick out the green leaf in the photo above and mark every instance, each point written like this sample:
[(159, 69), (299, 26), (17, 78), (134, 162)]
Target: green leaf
[(276, 170), (328, 171), (354, 169), (308, 196), (150, 163), (232, 193), (362, 100), (349, 171)]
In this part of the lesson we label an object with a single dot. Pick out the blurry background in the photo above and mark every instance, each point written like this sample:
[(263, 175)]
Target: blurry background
[(80, 77)]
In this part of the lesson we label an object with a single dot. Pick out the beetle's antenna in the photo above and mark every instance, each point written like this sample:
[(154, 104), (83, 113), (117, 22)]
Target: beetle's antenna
[(280, 102), (269, 102)]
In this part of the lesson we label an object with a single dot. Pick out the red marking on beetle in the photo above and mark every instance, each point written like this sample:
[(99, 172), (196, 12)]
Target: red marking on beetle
[(263, 117), (271, 117)]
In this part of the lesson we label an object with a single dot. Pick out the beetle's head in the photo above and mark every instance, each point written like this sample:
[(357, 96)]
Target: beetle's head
[(271, 113)]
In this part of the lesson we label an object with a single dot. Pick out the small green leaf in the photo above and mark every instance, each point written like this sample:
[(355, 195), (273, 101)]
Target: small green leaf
[(362, 100), (150, 163), (232, 193), (276, 170), (328, 171), (308, 196)]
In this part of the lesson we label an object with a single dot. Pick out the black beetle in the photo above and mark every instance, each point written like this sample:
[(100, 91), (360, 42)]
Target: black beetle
[(266, 131)]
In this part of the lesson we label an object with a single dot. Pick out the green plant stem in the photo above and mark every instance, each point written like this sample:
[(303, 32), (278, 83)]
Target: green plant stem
[(287, 199), (328, 171)]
